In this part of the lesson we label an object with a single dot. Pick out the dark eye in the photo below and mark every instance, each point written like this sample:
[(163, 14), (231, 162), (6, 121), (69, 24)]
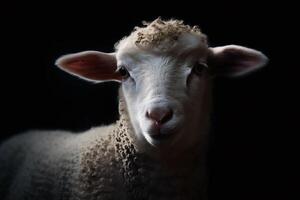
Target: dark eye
[(123, 72), (198, 68)]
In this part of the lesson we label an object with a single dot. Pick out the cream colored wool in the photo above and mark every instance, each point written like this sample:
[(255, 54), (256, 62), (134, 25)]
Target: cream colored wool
[(162, 35)]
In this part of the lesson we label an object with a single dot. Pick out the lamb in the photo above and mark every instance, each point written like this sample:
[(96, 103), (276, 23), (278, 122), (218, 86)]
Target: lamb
[(158, 147)]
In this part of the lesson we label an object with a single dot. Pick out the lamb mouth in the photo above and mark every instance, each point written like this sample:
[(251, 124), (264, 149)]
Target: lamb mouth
[(161, 137)]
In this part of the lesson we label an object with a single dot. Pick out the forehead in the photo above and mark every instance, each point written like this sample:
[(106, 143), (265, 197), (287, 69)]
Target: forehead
[(188, 47), (170, 39)]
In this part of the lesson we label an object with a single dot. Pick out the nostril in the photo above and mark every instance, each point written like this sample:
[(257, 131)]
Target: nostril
[(167, 116), (159, 115)]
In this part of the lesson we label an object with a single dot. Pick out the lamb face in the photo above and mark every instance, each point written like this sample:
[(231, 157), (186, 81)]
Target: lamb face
[(167, 92)]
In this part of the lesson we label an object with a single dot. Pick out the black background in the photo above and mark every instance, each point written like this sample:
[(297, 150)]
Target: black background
[(254, 148)]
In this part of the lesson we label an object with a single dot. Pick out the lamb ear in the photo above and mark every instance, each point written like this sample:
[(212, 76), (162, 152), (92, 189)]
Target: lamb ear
[(90, 65), (234, 60)]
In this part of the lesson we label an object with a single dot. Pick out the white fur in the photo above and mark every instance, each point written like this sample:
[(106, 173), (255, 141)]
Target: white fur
[(161, 80)]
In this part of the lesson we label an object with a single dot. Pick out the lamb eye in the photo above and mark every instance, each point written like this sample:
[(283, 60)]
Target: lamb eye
[(123, 72), (198, 68)]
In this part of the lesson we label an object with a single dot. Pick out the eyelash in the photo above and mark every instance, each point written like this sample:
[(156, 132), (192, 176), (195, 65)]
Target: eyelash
[(198, 68), (123, 72)]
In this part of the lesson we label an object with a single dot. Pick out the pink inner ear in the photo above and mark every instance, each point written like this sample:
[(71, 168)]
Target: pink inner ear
[(91, 65), (238, 60), (235, 60)]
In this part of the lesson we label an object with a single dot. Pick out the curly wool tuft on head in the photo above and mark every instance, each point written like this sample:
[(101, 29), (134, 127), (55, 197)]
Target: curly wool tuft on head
[(162, 35)]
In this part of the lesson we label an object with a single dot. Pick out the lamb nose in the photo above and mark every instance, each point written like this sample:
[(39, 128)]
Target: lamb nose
[(160, 115)]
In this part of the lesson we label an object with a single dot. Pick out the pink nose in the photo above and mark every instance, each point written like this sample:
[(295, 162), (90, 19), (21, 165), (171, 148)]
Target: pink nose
[(159, 115)]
